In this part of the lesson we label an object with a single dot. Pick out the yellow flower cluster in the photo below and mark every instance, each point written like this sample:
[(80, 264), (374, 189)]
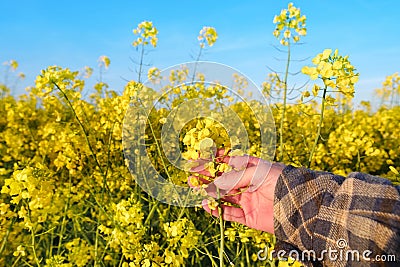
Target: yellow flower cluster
[(13, 64), (29, 189), (104, 61), (128, 230), (290, 24), (79, 252), (64, 79), (147, 34), (153, 74), (182, 237), (207, 35), (205, 135), (334, 70), (390, 91), (350, 141), (203, 139), (245, 235), (273, 86)]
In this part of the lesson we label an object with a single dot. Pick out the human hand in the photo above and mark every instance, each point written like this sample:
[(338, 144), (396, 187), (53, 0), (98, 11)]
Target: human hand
[(250, 186)]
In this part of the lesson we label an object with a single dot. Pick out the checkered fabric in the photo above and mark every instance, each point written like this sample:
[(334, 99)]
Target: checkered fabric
[(317, 212)]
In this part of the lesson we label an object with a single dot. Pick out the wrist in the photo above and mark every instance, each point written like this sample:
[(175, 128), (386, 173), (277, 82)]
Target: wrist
[(276, 170)]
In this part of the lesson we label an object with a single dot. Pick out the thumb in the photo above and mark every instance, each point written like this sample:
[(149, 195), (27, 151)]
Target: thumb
[(252, 177)]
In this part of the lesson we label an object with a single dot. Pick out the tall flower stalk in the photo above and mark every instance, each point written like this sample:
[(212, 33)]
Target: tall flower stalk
[(290, 25), (146, 35), (207, 36), (337, 76)]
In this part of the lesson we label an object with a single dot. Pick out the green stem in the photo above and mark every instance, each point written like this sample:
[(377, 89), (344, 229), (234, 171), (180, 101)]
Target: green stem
[(284, 104), (247, 255), (5, 238), (159, 151), (222, 242), (210, 256), (221, 230), (101, 73), (86, 134), (195, 64), (66, 207), (17, 260), (392, 95), (141, 63), (153, 209), (321, 118), (34, 249)]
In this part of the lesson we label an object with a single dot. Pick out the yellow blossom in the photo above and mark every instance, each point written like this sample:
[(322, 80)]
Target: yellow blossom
[(291, 23), (207, 35), (147, 34)]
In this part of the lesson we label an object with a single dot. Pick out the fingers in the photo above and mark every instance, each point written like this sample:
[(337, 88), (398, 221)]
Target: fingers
[(220, 152), (232, 198), (201, 161), (200, 167), (236, 162), (211, 190), (249, 172), (233, 180), (229, 213), (252, 177)]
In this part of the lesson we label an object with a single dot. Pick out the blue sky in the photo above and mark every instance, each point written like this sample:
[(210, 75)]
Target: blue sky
[(75, 33)]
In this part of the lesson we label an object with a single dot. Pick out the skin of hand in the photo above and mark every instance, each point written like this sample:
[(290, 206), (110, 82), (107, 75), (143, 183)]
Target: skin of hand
[(250, 185)]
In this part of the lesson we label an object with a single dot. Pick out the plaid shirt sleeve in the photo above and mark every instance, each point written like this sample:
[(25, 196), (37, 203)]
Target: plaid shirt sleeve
[(317, 212)]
